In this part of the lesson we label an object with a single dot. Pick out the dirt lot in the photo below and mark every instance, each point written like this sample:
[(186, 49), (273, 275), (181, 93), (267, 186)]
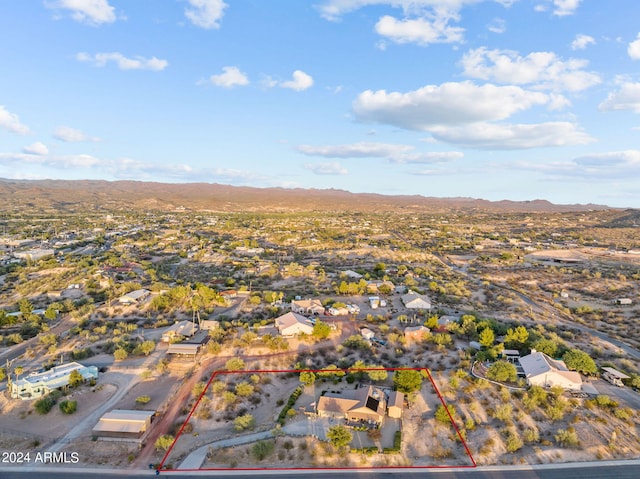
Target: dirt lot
[(19, 418)]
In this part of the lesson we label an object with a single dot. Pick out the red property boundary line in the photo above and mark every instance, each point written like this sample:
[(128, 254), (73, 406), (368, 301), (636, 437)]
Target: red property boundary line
[(337, 370)]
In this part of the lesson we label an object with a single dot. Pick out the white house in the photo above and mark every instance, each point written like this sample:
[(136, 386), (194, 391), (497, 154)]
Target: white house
[(351, 274), (367, 333), (291, 324), (541, 370), (36, 385), (413, 300), (134, 296), (307, 306)]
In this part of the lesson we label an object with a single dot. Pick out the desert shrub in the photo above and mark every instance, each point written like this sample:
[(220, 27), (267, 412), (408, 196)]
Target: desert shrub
[(442, 416), (605, 401), (567, 437), (531, 435), (504, 412), (623, 413), (246, 421), (513, 442), (262, 449), (68, 407), (44, 405), (164, 442)]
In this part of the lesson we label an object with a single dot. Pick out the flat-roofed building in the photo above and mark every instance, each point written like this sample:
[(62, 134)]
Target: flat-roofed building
[(124, 424), (36, 385)]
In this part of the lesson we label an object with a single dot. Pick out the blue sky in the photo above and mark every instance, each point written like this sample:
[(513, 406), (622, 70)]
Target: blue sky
[(495, 99)]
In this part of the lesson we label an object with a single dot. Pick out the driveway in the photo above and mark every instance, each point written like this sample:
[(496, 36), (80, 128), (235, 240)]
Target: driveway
[(621, 394)]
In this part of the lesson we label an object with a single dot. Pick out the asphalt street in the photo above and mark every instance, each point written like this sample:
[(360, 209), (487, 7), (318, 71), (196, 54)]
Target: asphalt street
[(617, 470)]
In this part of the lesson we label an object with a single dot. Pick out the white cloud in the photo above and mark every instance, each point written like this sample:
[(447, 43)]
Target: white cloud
[(634, 49), (72, 135), (395, 153), (447, 104), (582, 41), (335, 9), (205, 13), (422, 31), (565, 7), (355, 150), (124, 63), (429, 157), (498, 25), (620, 165), (612, 158), (92, 12), (11, 122), (230, 77), (626, 98), (300, 81), (38, 148), (542, 70), (489, 136), (62, 162), (330, 168)]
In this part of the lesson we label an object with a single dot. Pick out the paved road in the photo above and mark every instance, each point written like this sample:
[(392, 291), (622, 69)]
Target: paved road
[(619, 470)]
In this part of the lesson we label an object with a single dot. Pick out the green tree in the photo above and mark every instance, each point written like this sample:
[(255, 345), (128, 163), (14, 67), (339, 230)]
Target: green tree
[(516, 337), (580, 361), (244, 389), (442, 416), (198, 389), (546, 346), (120, 354), (377, 373), (164, 442), (75, 378), (26, 308), (339, 436), (487, 337), (68, 407), (147, 347), (307, 378), (321, 330), (246, 421), (407, 380), (44, 405), (379, 270), (502, 371), (234, 364), (3, 374)]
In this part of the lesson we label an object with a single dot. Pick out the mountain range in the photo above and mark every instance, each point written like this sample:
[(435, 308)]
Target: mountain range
[(77, 195)]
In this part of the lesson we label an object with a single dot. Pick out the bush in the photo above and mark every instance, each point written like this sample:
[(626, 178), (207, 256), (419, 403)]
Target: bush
[(292, 400), (44, 405), (513, 441), (567, 437), (164, 442), (246, 421), (262, 449), (502, 371), (443, 417), (68, 407), (143, 399)]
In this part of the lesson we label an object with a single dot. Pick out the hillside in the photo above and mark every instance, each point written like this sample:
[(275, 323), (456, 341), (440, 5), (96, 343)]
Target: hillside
[(74, 195)]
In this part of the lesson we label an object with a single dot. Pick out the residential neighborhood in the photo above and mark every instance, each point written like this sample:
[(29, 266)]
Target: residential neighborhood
[(132, 335)]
